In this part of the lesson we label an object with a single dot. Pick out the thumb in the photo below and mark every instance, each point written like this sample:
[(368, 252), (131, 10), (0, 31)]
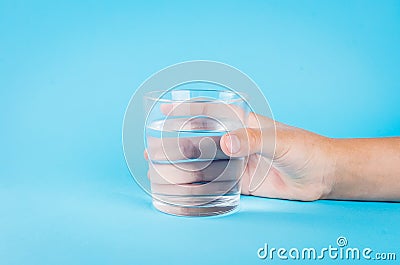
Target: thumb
[(247, 141)]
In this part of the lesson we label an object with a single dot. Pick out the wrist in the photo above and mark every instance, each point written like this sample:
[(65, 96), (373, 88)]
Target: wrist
[(331, 162)]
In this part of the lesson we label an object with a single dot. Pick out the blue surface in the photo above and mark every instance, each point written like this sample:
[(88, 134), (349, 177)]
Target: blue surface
[(68, 70)]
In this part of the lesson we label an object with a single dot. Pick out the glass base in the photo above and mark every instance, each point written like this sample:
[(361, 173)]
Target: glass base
[(203, 210)]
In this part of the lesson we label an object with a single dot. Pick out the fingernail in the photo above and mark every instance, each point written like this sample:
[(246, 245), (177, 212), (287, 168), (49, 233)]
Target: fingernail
[(233, 143)]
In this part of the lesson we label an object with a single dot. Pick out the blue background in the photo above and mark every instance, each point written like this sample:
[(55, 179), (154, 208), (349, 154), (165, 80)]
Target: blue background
[(68, 70)]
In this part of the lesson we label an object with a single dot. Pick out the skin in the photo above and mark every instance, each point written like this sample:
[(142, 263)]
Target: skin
[(307, 166), (301, 165)]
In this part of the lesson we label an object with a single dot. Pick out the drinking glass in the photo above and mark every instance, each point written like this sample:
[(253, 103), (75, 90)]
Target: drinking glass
[(189, 173)]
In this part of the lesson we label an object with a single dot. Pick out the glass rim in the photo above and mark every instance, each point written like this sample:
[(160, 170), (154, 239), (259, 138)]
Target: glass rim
[(241, 96)]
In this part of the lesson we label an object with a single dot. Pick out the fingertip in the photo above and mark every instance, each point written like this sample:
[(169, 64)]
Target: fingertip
[(222, 143), (243, 142), (166, 108), (230, 144)]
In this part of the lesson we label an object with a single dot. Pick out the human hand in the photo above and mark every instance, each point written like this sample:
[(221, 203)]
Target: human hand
[(291, 163), (298, 169), (298, 165)]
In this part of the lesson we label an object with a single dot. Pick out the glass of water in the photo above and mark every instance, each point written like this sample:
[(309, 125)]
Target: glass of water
[(189, 173)]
